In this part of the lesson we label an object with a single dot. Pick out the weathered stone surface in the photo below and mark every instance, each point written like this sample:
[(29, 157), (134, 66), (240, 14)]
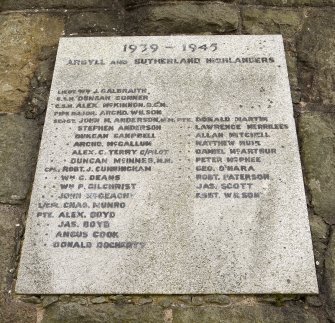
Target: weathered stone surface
[(185, 17), (65, 298), (271, 21), (31, 299), (46, 61), (17, 312), (121, 299), (314, 301), (95, 23), (137, 3), (217, 299), (102, 313), (319, 230), (48, 300), (80, 300), (317, 134), (22, 38), (316, 57), (99, 300), (330, 276), (32, 4), (19, 138), (10, 223), (11, 311), (243, 313), (186, 299), (288, 3), (144, 300), (292, 75), (197, 300), (40, 83), (165, 302)]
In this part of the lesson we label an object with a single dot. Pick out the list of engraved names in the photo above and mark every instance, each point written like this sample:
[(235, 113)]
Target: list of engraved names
[(114, 133)]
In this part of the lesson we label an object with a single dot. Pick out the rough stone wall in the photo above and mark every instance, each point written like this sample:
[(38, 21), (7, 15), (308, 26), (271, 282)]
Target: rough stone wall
[(29, 32)]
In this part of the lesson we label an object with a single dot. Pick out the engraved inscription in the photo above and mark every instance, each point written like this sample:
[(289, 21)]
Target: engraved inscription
[(168, 165)]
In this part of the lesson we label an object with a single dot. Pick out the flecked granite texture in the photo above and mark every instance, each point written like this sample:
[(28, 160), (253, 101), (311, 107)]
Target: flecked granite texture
[(186, 240)]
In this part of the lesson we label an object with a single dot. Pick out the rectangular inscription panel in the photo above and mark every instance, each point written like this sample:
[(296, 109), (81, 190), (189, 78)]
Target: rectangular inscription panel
[(168, 165)]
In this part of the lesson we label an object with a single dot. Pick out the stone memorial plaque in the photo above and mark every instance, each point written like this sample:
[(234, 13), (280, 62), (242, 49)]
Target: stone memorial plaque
[(168, 165)]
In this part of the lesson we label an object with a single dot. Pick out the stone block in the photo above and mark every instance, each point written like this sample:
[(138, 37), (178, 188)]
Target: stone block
[(314, 301), (330, 277), (197, 300), (17, 312), (11, 218), (243, 313), (144, 300), (19, 138), (271, 21), (40, 83), (11, 311), (48, 4), (290, 3), (217, 299), (99, 300), (48, 300), (106, 313), (138, 3), (183, 18), (292, 75), (95, 23), (319, 230), (316, 58), (317, 136), (22, 37)]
